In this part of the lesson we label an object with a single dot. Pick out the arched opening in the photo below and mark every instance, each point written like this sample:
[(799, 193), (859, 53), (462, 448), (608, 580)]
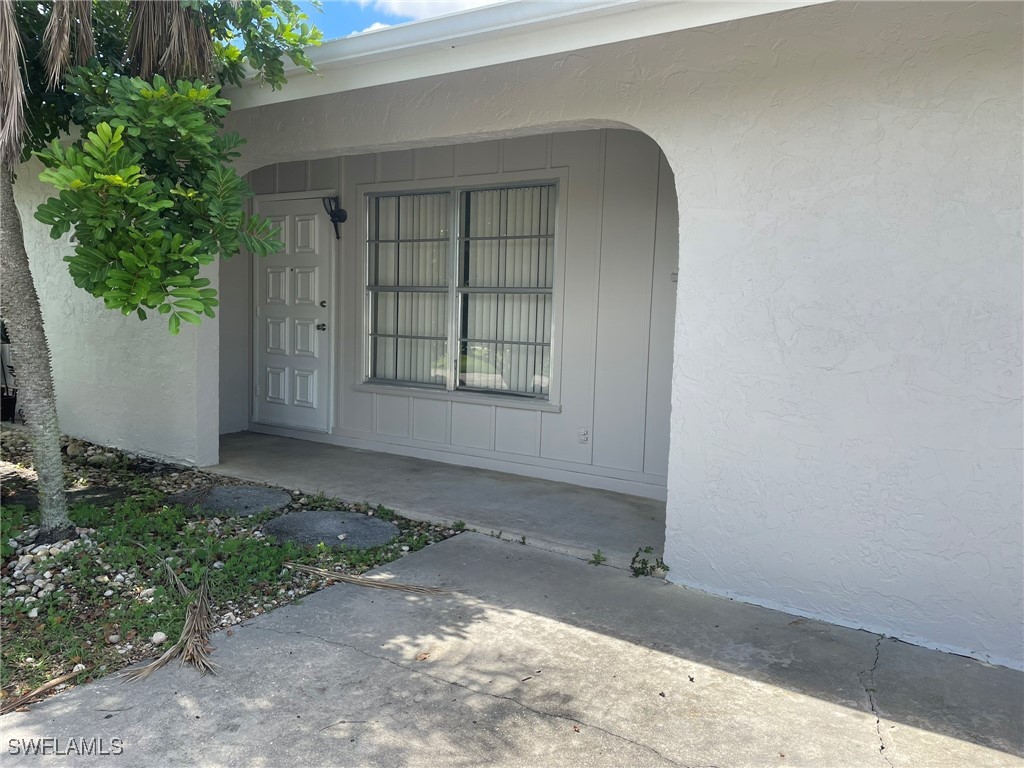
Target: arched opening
[(505, 304)]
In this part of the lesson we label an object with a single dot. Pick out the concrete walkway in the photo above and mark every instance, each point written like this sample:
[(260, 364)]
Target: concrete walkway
[(557, 517), (536, 659)]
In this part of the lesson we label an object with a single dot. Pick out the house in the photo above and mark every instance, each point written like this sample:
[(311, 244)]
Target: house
[(762, 260)]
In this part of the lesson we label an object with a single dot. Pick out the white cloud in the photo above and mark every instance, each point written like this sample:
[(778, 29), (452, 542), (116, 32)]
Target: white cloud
[(375, 26), (424, 9)]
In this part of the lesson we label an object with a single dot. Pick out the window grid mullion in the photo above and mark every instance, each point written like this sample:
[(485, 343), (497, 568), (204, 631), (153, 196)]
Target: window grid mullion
[(407, 289), (511, 343), (411, 240), (407, 336), (398, 271), (486, 238), (499, 303), (376, 279), (510, 290), (454, 297)]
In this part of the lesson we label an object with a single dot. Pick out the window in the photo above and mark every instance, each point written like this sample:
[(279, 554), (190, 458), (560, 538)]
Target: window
[(408, 288), (477, 279)]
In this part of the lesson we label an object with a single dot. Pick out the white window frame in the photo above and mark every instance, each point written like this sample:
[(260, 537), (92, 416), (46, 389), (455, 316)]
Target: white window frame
[(455, 186)]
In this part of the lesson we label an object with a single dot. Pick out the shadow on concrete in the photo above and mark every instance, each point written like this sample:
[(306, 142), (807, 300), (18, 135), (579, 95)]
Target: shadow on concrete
[(536, 659)]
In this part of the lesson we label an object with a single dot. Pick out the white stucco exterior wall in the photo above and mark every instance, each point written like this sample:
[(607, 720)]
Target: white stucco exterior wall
[(848, 358), (846, 423), (120, 382)]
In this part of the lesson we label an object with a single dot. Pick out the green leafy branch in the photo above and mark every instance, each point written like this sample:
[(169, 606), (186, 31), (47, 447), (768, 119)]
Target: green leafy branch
[(149, 194)]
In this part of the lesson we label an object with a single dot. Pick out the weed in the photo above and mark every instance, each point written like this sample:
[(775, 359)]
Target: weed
[(384, 513), (641, 566), (321, 500), (458, 526), (597, 558)]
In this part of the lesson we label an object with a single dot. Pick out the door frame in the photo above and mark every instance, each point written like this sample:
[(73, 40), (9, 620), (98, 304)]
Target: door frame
[(314, 195)]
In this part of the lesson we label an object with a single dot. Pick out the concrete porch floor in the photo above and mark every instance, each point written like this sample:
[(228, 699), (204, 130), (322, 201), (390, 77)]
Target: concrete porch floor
[(557, 517)]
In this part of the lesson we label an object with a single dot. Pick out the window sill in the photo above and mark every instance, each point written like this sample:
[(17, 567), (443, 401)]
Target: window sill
[(474, 398)]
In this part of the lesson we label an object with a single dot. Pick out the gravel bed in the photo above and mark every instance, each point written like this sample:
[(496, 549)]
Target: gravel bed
[(88, 580)]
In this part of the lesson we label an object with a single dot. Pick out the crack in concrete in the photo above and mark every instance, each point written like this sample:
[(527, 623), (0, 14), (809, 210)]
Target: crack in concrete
[(470, 689), (343, 722), (869, 689)]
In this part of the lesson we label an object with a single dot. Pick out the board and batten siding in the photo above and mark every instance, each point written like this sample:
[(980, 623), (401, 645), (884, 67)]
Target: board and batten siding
[(614, 330)]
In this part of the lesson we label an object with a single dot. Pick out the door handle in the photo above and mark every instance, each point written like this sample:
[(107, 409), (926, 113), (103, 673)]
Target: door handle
[(323, 303), (321, 326)]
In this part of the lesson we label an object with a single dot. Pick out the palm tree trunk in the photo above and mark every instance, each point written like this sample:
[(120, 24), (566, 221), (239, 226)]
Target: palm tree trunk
[(19, 306)]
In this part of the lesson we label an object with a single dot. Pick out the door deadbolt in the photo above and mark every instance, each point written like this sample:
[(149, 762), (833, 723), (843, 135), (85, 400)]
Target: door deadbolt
[(321, 326), (323, 302)]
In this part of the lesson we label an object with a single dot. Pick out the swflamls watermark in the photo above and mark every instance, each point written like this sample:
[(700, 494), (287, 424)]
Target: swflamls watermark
[(70, 747)]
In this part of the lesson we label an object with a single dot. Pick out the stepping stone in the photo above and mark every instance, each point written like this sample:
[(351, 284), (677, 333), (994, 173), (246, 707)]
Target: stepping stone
[(233, 500), (310, 527)]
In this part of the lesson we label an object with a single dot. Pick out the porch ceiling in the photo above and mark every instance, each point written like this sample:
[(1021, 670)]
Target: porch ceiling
[(554, 516)]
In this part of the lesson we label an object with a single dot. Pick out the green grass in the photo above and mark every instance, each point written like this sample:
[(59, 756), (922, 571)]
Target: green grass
[(136, 537)]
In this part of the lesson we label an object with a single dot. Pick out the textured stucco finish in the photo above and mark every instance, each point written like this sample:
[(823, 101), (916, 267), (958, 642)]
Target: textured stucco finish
[(119, 381), (846, 423)]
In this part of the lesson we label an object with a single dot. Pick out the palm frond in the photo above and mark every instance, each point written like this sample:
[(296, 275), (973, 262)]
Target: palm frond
[(175, 581), (167, 38), (10, 705), (84, 43), (70, 26), (195, 635), (193, 647), (12, 87), (57, 43), (141, 673), (363, 581)]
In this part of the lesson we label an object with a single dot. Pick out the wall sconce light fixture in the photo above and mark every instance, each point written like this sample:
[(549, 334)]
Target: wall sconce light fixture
[(336, 213)]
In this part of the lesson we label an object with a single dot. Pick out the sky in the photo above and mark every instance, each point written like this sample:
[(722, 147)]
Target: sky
[(341, 18)]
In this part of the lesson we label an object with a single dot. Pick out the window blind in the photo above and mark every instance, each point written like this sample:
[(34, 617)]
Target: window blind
[(487, 289)]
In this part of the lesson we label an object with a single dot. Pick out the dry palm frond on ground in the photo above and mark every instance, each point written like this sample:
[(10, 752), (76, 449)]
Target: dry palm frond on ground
[(193, 647), (17, 702), (363, 581)]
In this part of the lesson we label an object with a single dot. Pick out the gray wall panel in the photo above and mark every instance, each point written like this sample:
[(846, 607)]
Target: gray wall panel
[(627, 261), (471, 425), (476, 158), (430, 420), (663, 323), (435, 162)]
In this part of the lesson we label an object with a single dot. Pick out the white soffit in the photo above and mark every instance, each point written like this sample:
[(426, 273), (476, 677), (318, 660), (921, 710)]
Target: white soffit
[(496, 34)]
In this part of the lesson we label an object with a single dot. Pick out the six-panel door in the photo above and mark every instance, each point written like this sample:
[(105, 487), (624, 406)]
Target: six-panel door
[(293, 313)]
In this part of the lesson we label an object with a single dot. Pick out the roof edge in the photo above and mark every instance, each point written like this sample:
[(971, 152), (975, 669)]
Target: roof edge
[(496, 34)]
